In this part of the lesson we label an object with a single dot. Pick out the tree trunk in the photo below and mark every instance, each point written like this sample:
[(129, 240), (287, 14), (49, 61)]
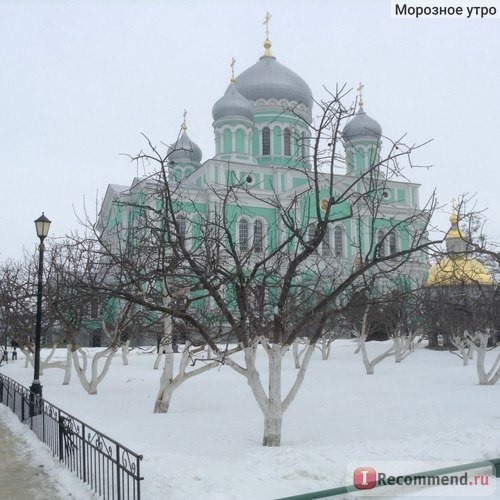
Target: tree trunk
[(125, 352), (69, 363), (161, 352), (465, 352), (295, 350), (370, 369), (273, 415), (271, 405), (272, 425), (164, 395), (402, 348), (95, 378), (169, 383), (370, 365), (326, 348), (493, 374)]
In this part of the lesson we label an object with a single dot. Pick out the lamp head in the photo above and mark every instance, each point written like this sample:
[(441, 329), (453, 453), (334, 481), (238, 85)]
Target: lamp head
[(42, 225)]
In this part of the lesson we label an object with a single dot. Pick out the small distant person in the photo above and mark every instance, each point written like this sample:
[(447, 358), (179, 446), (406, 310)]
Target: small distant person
[(14, 354)]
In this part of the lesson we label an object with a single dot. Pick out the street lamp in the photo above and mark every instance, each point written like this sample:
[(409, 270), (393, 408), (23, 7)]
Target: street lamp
[(42, 225)]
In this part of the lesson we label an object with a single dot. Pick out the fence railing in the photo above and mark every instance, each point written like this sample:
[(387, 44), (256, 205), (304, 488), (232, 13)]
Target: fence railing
[(492, 464), (110, 469)]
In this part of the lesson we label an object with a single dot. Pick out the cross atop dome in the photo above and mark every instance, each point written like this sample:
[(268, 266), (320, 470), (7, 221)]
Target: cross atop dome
[(184, 124), (360, 92), (233, 79), (267, 42)]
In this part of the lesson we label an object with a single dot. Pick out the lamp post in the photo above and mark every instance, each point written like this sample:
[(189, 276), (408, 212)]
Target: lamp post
[(42, 225)]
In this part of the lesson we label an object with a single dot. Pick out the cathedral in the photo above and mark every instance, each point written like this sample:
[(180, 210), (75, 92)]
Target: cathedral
[(262, 136)]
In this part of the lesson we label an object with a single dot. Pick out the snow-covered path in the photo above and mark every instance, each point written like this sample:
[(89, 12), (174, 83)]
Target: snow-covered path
[(20, 479), (27, 469)]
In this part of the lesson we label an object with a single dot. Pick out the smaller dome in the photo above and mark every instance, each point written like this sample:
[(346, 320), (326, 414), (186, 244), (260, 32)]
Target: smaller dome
[(184, 150), (458, 270), (362, 127), (232, 103)]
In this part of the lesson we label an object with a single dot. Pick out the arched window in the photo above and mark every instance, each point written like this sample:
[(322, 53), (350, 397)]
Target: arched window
[(381, 243), (303, 146), (182, 227), (240, 141), (311, 231), (326, 249), (338, 241), (393, 243), (266, 141), (287, 142), (243, 235), (258, 237), (228, 141)]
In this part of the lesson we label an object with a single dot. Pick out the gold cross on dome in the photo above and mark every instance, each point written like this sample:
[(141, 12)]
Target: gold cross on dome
[(233, 79), (266, 22), (360, 92)]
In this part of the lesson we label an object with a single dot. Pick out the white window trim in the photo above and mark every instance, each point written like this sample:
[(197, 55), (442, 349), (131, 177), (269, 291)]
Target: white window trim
[(343, 249), (251, 228)]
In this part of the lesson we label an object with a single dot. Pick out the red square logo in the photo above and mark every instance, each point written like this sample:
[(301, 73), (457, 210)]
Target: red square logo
[(365, 478)]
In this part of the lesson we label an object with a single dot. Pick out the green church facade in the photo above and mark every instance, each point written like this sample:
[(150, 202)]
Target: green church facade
[(262, 135)]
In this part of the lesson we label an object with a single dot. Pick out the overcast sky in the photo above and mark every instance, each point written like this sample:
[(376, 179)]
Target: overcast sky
[(80, 81)]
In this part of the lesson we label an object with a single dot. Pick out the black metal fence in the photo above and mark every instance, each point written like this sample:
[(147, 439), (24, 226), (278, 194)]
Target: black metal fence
[(110, 469)]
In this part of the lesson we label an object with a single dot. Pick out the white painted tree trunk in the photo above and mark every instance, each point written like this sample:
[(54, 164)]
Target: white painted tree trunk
[(371, 364), (161, 352), (272, 405), (402, 348), (90, 384), (69, 363), (463, 353), (44, 363), (491, 377), (273, 416), (169, 383), (28, 357), (164, 395), (125, 347), (297, 352), (64, 365), (465, 346), (166, 338), (326, 348)]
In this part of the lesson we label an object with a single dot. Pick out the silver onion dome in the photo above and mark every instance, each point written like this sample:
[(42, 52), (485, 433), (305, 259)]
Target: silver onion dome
[(232, 103), (184, 150), (269, 79), (362, 127)]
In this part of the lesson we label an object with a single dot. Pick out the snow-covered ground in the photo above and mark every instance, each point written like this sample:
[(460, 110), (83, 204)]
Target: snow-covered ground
[(208, 446)]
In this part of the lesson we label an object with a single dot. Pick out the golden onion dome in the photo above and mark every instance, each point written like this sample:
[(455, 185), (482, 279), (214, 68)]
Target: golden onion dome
[(458, 270)]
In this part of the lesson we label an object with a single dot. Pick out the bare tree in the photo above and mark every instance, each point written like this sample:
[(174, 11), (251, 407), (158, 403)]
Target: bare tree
[(18, 306), (264, 293), (85, 314), (462, 301)]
